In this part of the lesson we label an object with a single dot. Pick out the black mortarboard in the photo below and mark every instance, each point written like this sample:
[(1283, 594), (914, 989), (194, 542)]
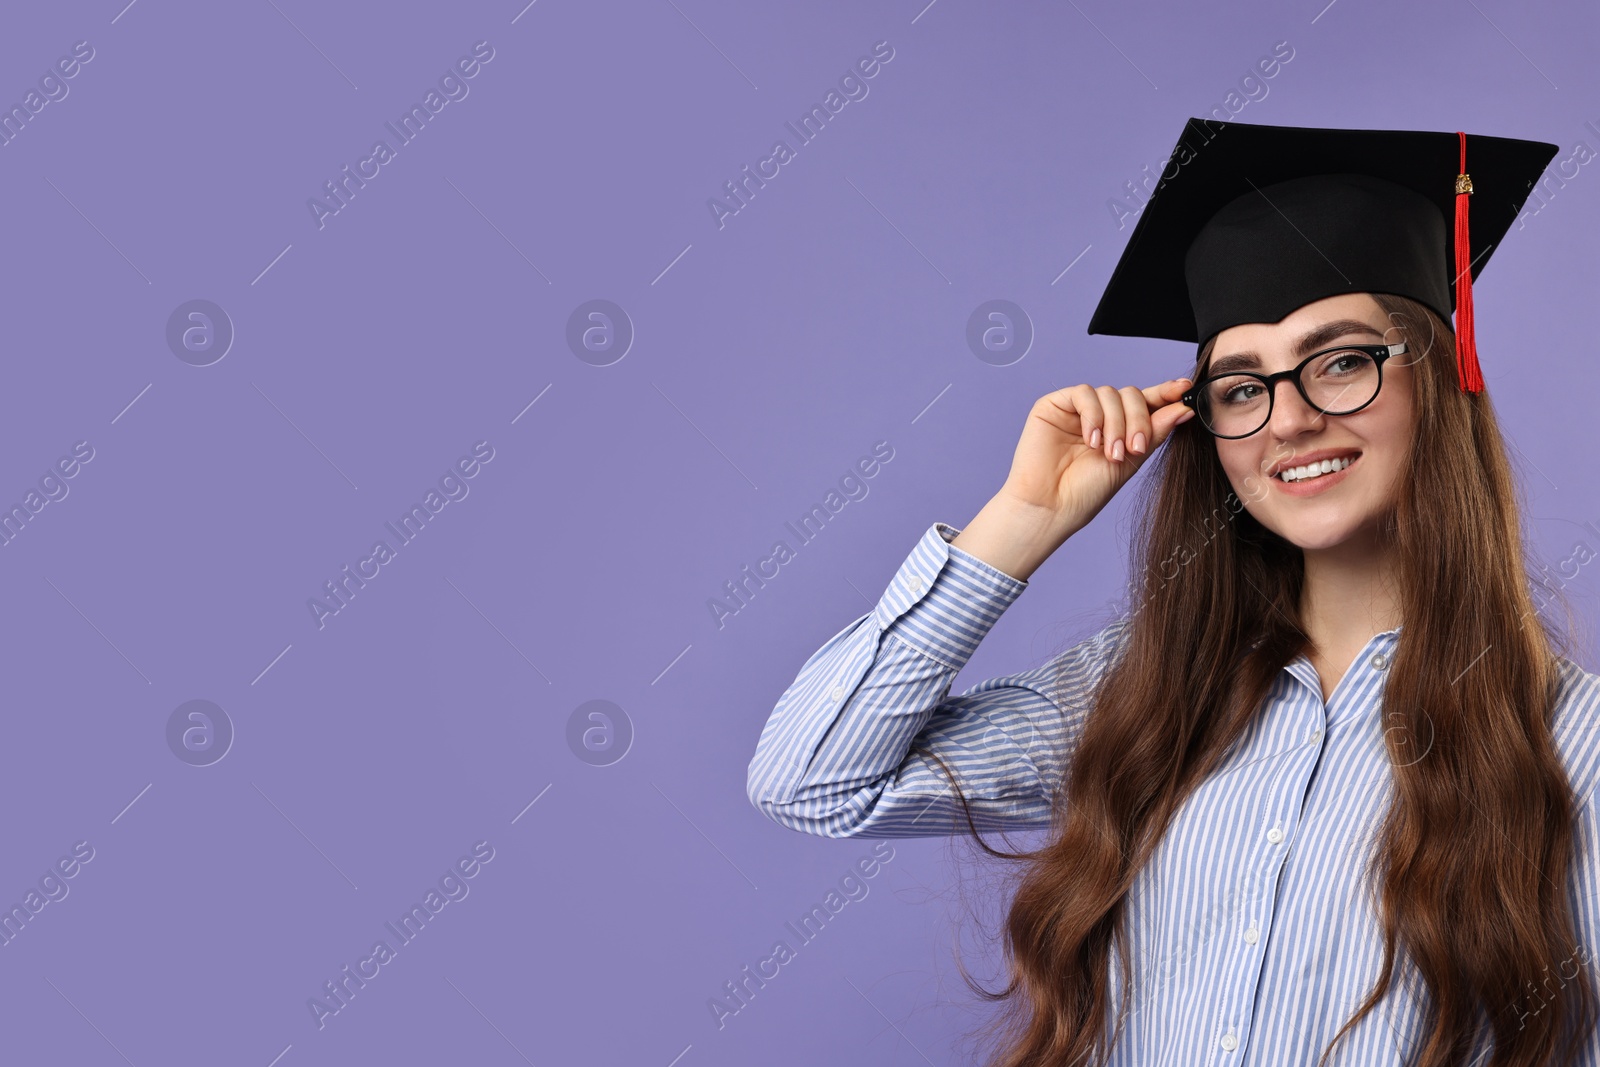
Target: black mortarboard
[(1250, 222)]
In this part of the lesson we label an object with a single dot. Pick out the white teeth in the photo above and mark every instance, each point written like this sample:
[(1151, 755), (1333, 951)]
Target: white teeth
[(1315, 470)]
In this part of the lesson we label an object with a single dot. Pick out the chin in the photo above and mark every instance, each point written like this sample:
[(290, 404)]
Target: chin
[(1317, 543), (1320, 536)]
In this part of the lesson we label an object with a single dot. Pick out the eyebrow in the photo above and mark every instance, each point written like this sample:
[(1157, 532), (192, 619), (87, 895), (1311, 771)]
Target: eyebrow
[(1308, 344)]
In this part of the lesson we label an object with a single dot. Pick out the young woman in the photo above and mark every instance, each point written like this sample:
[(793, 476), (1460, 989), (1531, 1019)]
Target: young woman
[(1323, 794)]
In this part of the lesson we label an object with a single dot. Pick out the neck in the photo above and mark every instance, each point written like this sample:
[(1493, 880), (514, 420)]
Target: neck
[(1350, 594)]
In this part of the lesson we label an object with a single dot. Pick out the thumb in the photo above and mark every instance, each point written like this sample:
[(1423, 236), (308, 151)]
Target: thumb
[(1172, 412)]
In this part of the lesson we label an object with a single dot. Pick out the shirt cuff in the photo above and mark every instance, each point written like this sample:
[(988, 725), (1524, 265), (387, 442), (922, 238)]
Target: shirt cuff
[(944, 600)]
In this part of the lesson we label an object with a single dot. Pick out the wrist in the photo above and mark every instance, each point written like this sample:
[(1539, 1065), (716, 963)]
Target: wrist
[(1012, 536)]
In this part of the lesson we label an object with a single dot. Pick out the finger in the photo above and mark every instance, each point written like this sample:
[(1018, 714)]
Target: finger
[(1168, 418), (1111, 405), (1136, 414), (1079, 403), (1168, 392)]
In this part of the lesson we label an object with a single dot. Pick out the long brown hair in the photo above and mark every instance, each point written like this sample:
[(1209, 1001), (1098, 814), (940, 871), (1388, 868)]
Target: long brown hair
[(1481, 920)]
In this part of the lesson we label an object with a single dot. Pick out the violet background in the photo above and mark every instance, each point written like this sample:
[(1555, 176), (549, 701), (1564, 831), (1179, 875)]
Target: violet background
[(770, 354)]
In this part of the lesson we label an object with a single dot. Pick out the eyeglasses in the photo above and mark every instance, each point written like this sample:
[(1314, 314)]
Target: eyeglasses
[(1335, 381)]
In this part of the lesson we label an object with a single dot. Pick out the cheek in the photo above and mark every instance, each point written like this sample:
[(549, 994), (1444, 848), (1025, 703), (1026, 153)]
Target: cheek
[(1390, 420), (1242, 466), (1387, 435), (1245, 467)]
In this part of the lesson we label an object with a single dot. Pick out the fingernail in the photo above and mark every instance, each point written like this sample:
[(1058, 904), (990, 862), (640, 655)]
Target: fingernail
[(1138, 442), (1094, 438), (1185, 417), (1116, 450)]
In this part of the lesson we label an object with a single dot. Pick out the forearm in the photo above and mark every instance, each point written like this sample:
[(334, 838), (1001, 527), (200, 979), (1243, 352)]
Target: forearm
[(1012, 538)]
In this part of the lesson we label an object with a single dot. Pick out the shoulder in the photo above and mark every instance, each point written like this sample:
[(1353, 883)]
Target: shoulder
[(1576, 725)]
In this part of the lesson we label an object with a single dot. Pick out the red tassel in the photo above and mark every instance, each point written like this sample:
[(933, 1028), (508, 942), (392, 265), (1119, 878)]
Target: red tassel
[(1468, 373)]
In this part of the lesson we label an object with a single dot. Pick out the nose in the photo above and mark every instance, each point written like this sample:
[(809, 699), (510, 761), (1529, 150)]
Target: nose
[(1291, 415)]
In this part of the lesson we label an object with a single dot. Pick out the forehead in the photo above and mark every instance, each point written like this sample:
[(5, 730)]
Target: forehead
[(1348, 317)]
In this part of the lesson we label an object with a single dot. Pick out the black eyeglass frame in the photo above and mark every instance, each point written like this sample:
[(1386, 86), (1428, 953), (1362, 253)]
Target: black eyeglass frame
[(1379, 354)]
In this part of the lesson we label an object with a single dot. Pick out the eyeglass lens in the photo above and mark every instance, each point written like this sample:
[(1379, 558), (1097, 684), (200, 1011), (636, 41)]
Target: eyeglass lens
[(1337, 383)]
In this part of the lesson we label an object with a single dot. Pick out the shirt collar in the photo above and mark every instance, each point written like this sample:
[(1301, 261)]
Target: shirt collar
[(1375, 657)]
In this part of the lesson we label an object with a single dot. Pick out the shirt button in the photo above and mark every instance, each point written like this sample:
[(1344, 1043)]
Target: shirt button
[(1274, 835), (1251, 935), (1379, 661), (838, 692), (1315, 735), (1229, 1042), (916, 585)]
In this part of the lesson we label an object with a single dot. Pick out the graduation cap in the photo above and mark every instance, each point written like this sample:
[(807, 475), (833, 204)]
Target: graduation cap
[(1257, 221)]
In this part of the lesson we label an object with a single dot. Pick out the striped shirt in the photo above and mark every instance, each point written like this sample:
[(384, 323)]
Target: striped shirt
[(1252, 935)]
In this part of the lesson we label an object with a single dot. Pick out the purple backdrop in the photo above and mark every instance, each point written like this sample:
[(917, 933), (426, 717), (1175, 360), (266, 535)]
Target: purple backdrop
[(243, 344)]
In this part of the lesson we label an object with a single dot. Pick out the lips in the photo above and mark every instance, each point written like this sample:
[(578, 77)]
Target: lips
[(1318, 485), (1308, 458)]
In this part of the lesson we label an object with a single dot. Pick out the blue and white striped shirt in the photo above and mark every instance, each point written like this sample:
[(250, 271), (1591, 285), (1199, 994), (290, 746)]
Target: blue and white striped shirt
[(1266, 853)]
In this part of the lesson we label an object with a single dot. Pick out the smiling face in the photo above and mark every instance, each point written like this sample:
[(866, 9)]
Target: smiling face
[(1342, 508)]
